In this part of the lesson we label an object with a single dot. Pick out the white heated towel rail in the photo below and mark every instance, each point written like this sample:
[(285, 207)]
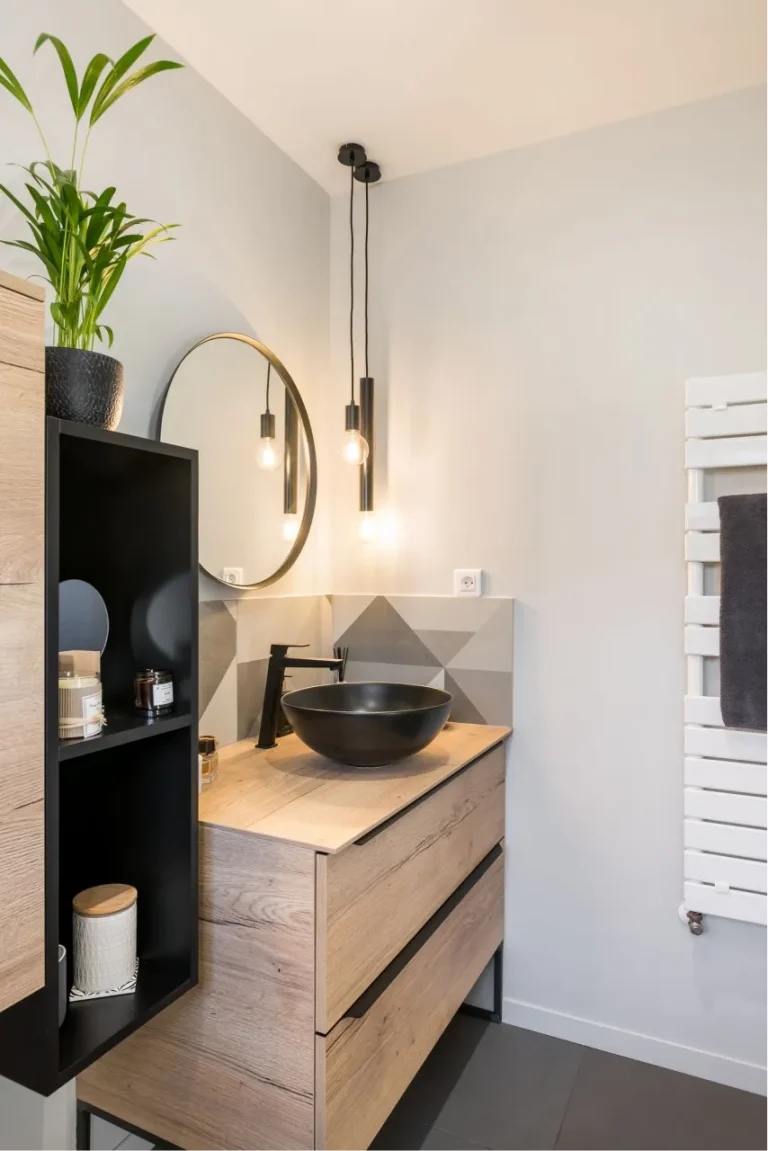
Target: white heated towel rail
[(725, 770)]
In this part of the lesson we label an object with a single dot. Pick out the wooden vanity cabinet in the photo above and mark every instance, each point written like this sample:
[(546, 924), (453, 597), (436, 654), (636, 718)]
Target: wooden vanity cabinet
[(22, 484), (343, 920)]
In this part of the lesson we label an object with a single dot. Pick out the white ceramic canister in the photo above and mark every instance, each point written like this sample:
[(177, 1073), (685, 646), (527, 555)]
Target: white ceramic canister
[(104, 936)]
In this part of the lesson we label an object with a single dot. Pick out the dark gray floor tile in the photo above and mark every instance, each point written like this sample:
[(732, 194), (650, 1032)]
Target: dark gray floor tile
[(621, 1105), (402, 1135), (494, 1086)]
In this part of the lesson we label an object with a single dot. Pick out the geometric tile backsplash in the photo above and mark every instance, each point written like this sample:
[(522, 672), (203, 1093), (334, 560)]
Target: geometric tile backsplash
[(463, 645)]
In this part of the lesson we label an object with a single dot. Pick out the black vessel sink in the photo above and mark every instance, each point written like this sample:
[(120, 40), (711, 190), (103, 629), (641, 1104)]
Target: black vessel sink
[(367, 724)]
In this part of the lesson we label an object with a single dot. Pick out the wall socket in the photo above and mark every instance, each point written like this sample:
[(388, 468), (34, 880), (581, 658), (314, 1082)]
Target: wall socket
[(233, 575), (468, 581)]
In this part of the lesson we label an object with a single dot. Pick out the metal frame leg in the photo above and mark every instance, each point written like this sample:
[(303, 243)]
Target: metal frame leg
[(494, 1015), (85, 1114), (83, 1139)]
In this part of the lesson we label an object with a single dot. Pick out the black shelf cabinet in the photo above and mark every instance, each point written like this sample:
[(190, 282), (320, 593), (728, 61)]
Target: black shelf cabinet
[(121, 513)]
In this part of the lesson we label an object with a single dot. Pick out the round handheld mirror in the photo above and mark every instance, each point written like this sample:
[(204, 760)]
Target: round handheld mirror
[(83, 617)]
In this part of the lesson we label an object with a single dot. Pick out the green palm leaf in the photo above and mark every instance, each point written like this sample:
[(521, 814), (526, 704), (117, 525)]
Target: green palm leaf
[(118, 70), (67, 67), (9, 81), (90, 80), (134, 79)]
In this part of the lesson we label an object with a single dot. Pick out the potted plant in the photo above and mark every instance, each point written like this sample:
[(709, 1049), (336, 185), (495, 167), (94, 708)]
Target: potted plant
[(83, 239)]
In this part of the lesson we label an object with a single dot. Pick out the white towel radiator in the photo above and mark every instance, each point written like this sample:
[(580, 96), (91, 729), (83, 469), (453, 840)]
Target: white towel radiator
[(725, 770)]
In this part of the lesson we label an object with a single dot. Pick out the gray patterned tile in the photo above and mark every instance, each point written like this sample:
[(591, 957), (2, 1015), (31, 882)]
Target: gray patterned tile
[(444, 644), (489, 692), (463, 710), (491, 647), (218, 644), (381, 635), (393, 673), (251, 679)]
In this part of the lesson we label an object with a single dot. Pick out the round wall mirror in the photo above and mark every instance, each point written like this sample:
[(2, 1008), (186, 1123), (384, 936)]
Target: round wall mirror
[(233, 400)]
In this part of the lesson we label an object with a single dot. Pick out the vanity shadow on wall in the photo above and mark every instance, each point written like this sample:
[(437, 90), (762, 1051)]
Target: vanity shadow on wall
[(121, 513)]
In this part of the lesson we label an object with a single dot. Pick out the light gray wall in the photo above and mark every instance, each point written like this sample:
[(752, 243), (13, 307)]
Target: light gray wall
[(535, 315), (252, 254)]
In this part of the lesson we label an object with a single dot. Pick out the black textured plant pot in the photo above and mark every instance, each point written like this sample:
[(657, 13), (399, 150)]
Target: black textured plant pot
[(85, 387)]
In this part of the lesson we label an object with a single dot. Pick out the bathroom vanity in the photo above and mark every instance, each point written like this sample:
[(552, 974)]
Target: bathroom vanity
[(344, 917)]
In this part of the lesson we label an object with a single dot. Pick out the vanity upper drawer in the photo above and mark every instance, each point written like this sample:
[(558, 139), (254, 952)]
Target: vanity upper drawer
[(365, 1064), (375, 895)]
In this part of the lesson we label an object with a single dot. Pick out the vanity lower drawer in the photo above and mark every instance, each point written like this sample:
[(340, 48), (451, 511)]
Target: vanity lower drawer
[(375, 895), (367, 1061)]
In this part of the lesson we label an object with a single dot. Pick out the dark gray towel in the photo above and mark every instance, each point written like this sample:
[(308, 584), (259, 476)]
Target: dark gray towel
[(742, 611)]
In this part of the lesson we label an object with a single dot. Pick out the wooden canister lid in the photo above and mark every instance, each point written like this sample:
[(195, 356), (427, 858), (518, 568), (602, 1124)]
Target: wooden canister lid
[(106, 899)]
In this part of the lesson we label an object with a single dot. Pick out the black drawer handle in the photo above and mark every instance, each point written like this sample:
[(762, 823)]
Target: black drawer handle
[(366, 1001), (369, 835)]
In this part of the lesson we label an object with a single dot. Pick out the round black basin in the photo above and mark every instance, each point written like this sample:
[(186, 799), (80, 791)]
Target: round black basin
[(367, 724)]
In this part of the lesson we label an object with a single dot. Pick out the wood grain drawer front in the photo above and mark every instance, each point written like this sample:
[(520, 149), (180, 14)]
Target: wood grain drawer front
[(375, 895), (22, 479), (365, 1064), (21, 330)]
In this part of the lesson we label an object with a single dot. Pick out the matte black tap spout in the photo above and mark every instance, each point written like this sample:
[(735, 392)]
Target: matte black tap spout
[(279, 660)]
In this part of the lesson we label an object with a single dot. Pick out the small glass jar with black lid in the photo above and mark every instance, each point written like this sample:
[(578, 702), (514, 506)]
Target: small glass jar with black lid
[(153, 692)]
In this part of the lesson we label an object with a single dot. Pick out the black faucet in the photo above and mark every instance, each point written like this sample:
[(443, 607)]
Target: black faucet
[(279, 660)]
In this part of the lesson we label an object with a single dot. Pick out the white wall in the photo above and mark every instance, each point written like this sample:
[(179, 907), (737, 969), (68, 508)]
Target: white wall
[(252, 254), (535, 316)]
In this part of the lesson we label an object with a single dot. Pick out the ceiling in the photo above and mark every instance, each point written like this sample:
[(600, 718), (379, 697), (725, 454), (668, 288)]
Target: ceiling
[(424, 83)]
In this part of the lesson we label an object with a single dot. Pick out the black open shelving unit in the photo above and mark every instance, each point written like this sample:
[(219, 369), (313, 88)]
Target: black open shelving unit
[(121, 513)]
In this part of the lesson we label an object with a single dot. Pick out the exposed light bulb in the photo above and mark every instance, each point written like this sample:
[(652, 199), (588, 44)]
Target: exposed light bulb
[(367, 527), (268, 454), (354, 449), (290, 528)]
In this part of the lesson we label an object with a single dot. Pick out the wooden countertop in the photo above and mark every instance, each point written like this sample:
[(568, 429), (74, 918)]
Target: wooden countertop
[(293, 794)]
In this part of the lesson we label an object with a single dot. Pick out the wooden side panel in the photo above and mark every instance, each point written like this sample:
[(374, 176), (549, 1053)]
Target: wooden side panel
[(22, 475), (22, 480), (231, 1065), (22, 320), (364, 1065), (378, 894)]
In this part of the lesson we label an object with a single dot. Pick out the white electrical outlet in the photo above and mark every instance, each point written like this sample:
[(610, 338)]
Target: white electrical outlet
[(233, 575), (468, 581)]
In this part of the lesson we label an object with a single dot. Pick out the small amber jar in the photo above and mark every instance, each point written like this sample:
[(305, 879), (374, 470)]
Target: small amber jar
[(209, 759), (154, 692)]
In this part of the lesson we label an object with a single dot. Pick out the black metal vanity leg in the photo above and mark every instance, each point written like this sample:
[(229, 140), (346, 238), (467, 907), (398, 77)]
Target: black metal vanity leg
[(83, 1140), (494, 1015), (498, 979)]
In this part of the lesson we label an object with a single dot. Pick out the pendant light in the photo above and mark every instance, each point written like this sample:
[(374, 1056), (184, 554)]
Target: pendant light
[(367, 173), (268, 454), (354, 448)]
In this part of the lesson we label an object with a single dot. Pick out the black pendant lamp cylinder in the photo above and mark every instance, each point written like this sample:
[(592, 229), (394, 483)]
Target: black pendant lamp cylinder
[(366, 431), (267, 425)]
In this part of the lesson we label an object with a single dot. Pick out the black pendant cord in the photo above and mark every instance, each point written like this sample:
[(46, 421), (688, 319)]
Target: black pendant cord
[(366, 279), (269, 370), (352, 282)]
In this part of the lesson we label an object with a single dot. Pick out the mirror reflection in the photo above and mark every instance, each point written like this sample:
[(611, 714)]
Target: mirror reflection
[(234, 401)]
